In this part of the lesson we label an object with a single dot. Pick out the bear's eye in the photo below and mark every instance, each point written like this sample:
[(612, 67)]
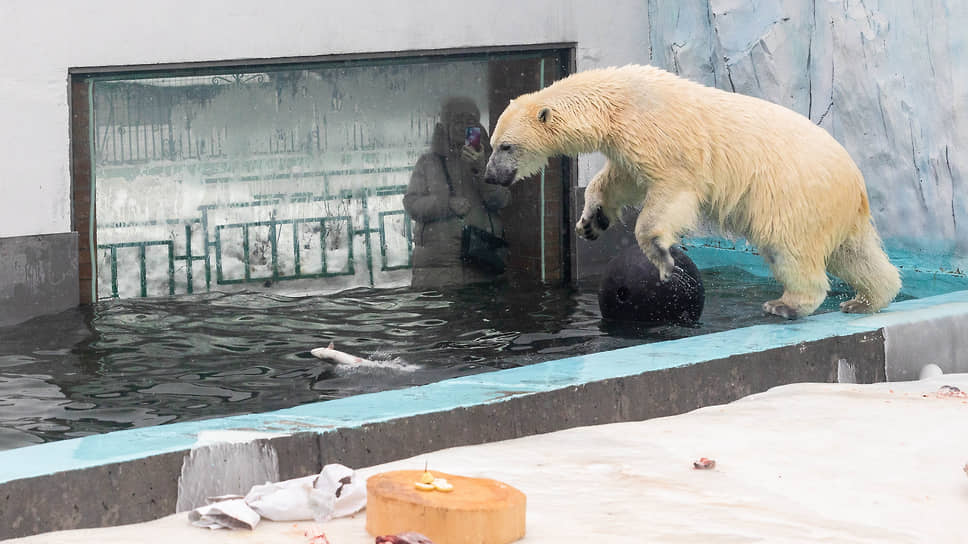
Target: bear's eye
[(505, 147)]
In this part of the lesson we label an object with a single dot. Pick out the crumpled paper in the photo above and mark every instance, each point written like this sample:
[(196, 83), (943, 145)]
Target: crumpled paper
[(225, 514), (334, 492)]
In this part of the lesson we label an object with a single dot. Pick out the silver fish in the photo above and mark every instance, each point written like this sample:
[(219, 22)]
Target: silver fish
[(385, 362), (338, 357)]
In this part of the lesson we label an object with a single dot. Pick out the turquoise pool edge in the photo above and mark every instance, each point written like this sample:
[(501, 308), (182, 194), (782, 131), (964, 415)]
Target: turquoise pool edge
[(491, 387)]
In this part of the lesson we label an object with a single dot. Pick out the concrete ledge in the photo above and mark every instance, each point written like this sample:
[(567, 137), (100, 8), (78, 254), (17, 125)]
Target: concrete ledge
[(147, 488), (940, 338), (132, 476), (101, 496), (38, 275)]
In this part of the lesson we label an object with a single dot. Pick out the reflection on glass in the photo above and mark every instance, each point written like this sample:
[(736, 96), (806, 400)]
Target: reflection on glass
[(292, 179), (262, 177), (447, 199)]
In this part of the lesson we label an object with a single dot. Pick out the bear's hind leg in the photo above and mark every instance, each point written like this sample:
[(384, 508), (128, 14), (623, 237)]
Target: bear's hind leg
[(861, 262), (805, 286)]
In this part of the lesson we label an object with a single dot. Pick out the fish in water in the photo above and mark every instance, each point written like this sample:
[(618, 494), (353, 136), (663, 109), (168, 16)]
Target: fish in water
[(332, 355), (335, 356)]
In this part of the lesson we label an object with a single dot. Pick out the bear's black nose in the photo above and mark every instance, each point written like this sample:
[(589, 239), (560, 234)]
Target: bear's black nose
[(490, 179)]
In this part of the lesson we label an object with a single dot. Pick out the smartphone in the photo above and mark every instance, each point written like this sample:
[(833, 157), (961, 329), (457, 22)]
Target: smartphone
[(472, 137)]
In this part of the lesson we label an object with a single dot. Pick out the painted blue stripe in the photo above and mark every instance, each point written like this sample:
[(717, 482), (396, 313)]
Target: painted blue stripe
[(924, 273), (485, 388), (924, 280)]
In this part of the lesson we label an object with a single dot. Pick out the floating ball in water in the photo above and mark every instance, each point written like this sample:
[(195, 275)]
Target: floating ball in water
[(631, 290)]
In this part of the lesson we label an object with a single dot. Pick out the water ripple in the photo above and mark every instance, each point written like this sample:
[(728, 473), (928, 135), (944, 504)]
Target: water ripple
[(136, 362)]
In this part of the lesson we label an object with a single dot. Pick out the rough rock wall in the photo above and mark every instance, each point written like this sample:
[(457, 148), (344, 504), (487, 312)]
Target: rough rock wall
[(889, 79)]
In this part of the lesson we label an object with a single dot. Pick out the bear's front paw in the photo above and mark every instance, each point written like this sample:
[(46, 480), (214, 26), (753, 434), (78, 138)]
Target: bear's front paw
[(666, 269), (661, 257), (592, 223)]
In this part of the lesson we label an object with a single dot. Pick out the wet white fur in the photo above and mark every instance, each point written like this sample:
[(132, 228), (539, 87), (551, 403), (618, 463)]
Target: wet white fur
[(681, 150)]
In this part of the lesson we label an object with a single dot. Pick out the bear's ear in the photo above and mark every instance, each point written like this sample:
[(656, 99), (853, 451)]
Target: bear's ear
[(544, 115)]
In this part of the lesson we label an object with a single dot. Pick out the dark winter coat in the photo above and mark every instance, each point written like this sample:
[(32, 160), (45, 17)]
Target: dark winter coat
[(437, 230)]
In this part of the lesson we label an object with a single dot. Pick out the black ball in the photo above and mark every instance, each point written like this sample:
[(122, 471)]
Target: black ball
[(631, 290)]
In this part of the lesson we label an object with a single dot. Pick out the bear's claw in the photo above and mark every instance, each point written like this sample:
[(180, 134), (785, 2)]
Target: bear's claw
[(590, 227), (601, 220), (586, 231)]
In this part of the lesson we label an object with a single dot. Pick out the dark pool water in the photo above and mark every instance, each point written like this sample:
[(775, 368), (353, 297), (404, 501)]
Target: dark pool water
[(138, 362)]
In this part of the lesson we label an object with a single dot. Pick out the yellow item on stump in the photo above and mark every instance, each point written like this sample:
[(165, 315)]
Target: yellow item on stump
[(472, 510)]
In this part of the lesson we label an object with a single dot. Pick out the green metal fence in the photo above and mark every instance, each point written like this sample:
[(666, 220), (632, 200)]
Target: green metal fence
[(323, 222), (215, 245), (143, 267)]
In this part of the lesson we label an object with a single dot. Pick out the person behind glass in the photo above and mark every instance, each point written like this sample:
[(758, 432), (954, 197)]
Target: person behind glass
[(446, 192)]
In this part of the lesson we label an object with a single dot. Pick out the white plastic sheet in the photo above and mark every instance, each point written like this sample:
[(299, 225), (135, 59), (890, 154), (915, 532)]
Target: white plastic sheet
[(335, 492)]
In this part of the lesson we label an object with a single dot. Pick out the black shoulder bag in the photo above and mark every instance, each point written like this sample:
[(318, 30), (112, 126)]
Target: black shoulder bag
[(478, 247)]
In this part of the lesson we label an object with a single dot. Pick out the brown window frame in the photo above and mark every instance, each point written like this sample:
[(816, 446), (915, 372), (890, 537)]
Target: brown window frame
[(80, 85)]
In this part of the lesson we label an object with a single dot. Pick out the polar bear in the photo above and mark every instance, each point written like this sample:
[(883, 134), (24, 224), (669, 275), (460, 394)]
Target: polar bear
[(681, 150)]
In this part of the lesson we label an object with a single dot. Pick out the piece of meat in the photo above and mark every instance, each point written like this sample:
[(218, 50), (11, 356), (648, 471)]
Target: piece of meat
[(316, 536), (704, 464), (410, 537)]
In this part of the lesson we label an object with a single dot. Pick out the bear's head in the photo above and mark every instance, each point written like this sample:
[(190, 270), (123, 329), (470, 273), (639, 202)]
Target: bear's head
[(520, 141)]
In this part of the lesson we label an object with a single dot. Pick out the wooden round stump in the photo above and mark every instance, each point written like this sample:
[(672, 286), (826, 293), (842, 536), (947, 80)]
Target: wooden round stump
[(478, 510)]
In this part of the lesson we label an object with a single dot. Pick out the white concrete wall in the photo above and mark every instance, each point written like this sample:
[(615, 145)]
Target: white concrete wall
[(887, 79), (41, 40)]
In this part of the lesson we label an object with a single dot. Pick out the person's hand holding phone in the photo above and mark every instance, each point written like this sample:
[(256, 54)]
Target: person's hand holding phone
[(472, 137), (473, 151)]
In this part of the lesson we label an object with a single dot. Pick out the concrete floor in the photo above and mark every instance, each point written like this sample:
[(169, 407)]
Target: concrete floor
[(803, 463)]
